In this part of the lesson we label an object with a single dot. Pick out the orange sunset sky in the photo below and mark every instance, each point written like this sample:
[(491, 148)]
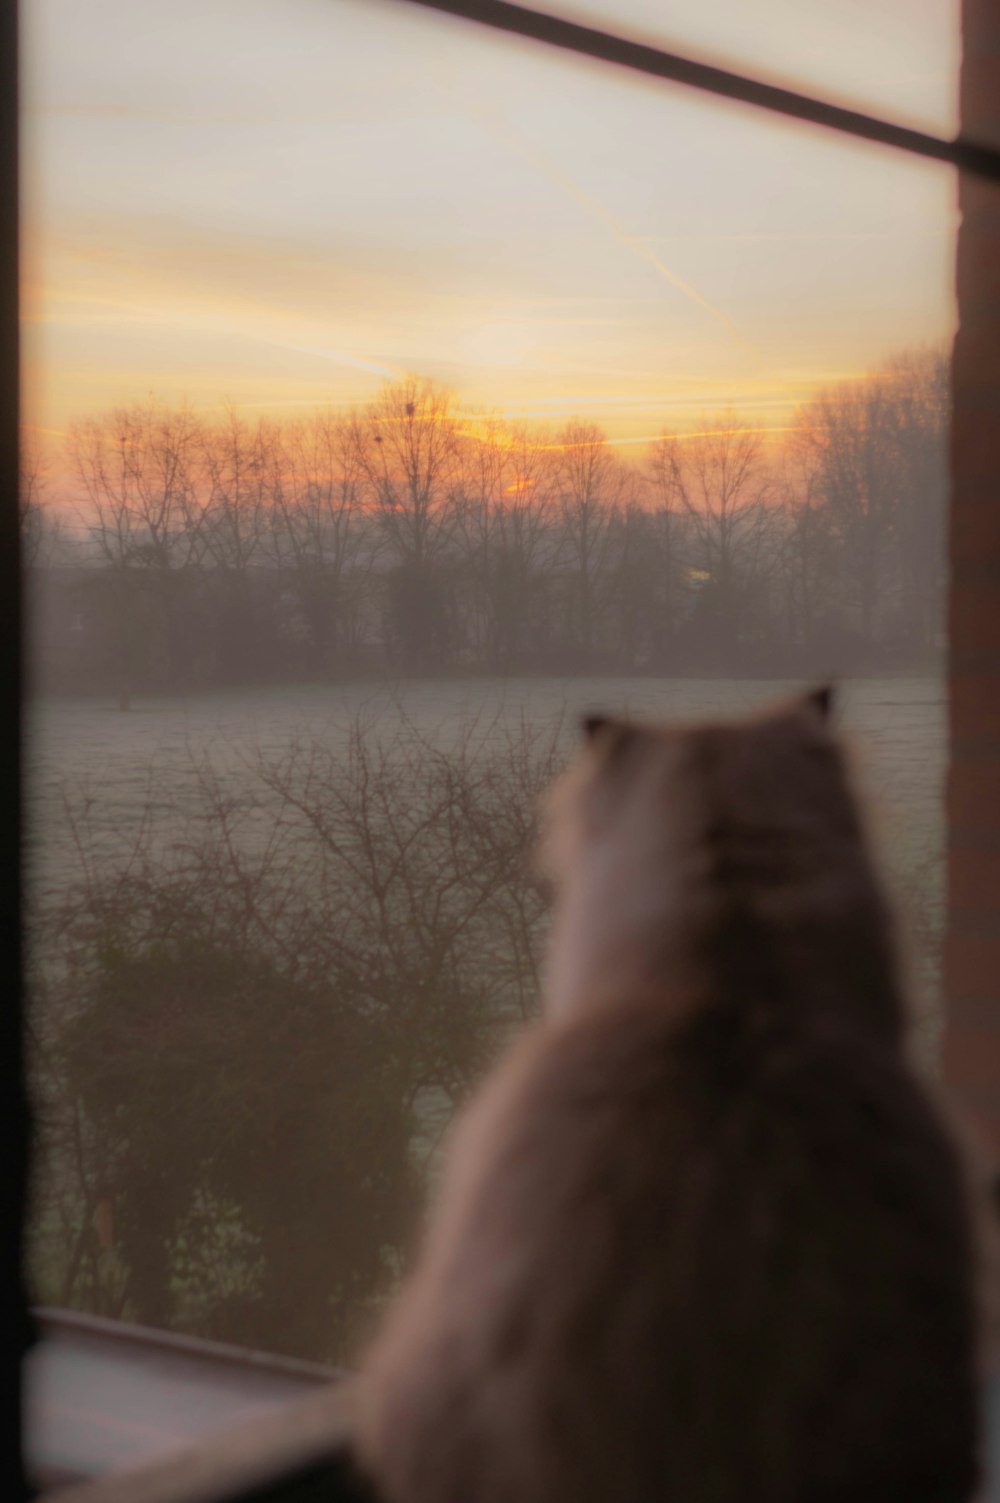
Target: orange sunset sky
[(281, 203)]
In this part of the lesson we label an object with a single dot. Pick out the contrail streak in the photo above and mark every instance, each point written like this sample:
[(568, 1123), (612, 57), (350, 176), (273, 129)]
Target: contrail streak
[(339, 357), (512, 138), (672, 438)]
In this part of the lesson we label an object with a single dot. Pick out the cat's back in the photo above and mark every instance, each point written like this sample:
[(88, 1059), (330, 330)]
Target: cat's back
[(712, 1256)]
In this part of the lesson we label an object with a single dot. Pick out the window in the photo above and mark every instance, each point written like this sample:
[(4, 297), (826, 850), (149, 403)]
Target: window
[(396, 393)]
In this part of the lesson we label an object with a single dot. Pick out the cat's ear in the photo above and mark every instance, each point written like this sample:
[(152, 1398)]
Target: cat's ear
[(593, 725), (821, 700), (614, 733)]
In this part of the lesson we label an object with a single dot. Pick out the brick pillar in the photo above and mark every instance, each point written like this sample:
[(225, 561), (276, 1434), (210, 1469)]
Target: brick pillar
[(972, 947)]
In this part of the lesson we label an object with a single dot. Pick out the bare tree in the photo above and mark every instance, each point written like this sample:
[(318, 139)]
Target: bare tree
[(639, 626), (408, 445), (237, 459), (237, 462), (919, 415), (721, 484), (663, 544), (135, 467), (39, 529), (592, 484), (808, 559), (320, 538), (851, 430), (408, 449), (505, 531)]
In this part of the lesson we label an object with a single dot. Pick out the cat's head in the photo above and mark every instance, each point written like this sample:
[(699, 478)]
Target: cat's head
[(817, 702), (654, 830), (667, 788)]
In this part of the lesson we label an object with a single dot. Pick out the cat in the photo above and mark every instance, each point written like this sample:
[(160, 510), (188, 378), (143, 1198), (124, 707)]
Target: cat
[(704, 1235)]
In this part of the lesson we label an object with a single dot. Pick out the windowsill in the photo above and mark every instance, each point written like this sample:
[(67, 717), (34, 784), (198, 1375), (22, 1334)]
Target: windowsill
[(137, 1416)]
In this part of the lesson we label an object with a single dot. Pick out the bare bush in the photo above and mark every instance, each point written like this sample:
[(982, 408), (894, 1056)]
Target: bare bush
[(251, 1033)]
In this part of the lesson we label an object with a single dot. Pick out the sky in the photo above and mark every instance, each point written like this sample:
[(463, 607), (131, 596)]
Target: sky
[(279, 204)]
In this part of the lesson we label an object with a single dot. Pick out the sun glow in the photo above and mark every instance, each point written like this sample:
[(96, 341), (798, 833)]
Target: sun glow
[(545, 241)]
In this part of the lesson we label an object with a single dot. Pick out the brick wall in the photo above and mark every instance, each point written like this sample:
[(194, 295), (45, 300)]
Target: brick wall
[(972, 950)]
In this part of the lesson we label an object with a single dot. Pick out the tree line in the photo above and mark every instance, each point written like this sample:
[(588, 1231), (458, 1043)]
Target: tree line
[(408, 536)]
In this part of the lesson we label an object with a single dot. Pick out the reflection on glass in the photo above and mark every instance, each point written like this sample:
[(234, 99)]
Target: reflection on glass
[(395, 395)]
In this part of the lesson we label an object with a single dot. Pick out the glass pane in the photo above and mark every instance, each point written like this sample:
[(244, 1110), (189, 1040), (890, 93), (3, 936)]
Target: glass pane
[(395, 394)]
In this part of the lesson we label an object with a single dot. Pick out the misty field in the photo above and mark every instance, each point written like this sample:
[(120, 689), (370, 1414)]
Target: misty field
[(132, 766), (275, 937)]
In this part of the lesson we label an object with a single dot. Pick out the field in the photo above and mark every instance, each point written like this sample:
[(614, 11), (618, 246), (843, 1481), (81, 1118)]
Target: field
[(86, 744), (130, 764)]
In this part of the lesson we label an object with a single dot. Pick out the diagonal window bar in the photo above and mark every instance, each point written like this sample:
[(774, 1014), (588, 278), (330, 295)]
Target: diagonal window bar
[(587, 41)]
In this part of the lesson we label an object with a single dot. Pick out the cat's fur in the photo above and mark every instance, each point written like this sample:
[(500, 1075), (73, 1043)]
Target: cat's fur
[(702, 1237)]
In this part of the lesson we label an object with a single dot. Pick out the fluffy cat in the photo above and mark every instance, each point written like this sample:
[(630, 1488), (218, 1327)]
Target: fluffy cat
[(703, 1235)]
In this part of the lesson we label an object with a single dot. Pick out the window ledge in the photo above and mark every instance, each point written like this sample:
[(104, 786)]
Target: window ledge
[(119, 1414)]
